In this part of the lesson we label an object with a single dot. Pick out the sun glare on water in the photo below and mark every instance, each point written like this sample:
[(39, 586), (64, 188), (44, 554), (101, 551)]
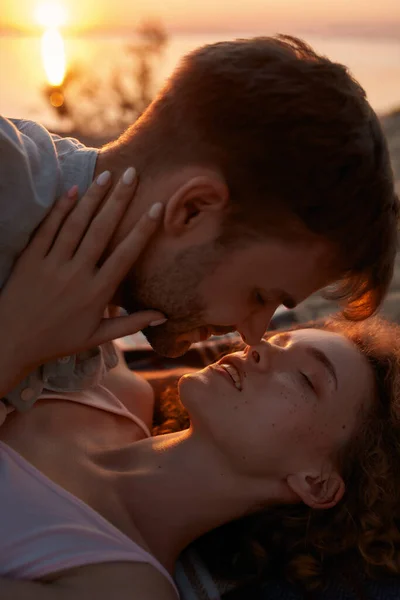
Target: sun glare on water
[(51, 16)]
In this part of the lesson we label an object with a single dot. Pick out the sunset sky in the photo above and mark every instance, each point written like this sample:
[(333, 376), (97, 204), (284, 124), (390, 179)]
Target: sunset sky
[(349, 16)]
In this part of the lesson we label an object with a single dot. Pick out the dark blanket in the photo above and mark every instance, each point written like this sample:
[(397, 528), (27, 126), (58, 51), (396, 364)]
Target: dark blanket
[(196, 583)]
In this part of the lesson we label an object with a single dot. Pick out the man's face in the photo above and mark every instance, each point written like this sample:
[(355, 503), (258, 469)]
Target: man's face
[(208, 289)]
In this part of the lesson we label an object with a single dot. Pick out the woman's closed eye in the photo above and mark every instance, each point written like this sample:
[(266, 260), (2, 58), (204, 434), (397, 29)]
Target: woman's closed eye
[(307, 381)]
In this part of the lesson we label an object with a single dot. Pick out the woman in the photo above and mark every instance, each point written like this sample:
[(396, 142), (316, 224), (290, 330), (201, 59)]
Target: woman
[(312, 548), (285, 429), (93, 506)]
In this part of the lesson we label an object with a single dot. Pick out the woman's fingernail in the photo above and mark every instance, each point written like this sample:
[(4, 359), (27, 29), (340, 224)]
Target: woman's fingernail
[(103, 178), (73, 192), (158, 322), (129, 176), (156, 210)]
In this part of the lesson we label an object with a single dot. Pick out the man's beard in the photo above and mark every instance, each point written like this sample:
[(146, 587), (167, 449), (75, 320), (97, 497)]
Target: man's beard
[(173, 289)]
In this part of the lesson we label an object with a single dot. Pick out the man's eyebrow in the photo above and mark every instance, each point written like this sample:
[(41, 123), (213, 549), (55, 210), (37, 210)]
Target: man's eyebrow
[(323, 359)]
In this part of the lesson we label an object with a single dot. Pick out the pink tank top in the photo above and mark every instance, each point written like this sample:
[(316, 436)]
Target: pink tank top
[(44, 528)]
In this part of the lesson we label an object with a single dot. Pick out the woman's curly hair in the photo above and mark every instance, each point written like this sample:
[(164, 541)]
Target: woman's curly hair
[(308, 546)]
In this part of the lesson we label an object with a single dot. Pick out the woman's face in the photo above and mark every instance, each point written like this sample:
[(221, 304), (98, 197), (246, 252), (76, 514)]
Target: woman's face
[(283, 405)]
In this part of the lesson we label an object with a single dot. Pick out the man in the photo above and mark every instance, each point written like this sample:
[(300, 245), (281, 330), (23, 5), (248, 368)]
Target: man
[(276, 182)]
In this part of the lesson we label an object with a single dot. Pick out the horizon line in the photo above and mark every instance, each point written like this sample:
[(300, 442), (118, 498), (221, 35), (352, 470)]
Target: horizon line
[(391, 31)]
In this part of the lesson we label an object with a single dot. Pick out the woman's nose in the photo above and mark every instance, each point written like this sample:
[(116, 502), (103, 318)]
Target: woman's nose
[(261, 355)]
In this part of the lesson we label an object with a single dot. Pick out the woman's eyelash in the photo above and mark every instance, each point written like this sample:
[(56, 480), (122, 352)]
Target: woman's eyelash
[(307, 380)]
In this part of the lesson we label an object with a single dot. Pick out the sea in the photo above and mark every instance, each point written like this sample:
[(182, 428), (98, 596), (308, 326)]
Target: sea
[(374, 62)]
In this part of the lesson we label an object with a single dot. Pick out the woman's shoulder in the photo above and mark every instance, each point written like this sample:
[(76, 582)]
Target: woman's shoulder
[(132, 390)]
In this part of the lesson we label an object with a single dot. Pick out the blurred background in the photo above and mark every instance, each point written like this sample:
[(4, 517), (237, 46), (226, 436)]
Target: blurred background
[(90, 67)]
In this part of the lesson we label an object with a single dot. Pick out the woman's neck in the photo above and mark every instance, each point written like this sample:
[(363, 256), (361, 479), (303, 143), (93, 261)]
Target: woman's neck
[(176, 488)]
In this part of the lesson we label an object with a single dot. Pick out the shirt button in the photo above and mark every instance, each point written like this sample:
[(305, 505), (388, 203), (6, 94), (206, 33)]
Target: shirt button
[(27, 394), (64, 359)]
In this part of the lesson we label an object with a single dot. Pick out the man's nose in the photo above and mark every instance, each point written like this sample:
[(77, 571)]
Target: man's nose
[(254, 327)]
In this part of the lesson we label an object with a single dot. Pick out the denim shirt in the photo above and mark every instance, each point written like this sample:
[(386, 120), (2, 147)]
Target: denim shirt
[(36, 168)]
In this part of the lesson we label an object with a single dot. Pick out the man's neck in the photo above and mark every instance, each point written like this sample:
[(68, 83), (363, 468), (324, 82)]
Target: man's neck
[(117, 159), (176, 488)]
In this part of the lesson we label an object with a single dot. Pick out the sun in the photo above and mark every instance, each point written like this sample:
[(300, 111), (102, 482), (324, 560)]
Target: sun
[(51, 14)]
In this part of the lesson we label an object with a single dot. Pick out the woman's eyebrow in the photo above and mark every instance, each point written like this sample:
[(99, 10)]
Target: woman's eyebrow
[(324, 360), (281, 339)]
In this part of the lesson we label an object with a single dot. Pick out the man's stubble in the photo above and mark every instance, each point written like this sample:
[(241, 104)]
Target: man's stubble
[(174, 288)]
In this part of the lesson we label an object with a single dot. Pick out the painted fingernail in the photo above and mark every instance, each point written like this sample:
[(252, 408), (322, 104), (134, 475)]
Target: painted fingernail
[(73, 192), (156, 210), (158, 322), (103, 178), (129, 176)]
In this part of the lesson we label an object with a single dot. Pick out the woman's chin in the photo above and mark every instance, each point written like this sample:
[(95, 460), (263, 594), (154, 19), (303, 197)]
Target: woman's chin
[(184, 386), (193, 388)]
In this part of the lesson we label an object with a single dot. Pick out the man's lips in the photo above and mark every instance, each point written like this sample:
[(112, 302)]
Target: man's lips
[(202, 333), (199, 334), (207, 331)]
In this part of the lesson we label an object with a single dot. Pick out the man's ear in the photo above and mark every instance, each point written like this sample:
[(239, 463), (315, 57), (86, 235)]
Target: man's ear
[(317, 490), (201, 200)]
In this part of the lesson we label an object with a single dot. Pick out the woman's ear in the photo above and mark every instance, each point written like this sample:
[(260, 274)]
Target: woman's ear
[(200, 201), (316, 490)]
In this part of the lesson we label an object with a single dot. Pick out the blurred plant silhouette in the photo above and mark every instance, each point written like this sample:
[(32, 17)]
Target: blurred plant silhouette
[(104, 101)]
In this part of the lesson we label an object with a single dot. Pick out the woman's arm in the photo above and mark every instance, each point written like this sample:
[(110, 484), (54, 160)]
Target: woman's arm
[(122, 581)]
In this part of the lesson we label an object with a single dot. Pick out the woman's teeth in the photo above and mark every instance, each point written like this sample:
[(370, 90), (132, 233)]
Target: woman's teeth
[(234, 375)]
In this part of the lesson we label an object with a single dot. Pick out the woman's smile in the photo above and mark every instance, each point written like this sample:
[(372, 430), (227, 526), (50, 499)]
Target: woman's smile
[(229, 373)]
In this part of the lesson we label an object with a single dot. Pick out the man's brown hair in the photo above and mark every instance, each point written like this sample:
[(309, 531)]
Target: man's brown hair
[(296, 140)]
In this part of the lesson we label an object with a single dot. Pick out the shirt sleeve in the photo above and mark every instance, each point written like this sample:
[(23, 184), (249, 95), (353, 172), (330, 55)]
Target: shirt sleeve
[(36, 167), (29, 185), (30, 180)]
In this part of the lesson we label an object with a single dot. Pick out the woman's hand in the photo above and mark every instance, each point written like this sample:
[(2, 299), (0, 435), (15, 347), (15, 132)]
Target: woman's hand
[(54, 301)]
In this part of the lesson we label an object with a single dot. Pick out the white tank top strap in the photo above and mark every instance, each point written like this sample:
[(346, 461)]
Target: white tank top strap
[(98, 397)]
